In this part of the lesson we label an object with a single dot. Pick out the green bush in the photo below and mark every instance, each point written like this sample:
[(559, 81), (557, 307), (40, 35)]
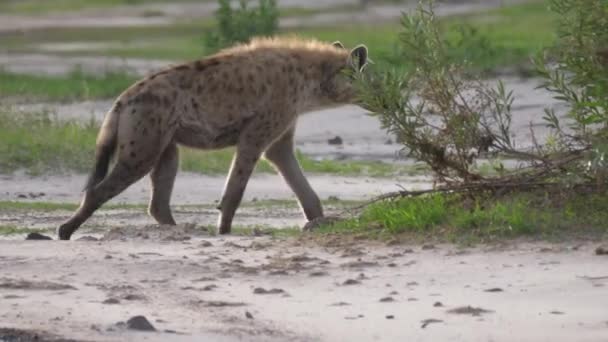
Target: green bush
[(240, 25)]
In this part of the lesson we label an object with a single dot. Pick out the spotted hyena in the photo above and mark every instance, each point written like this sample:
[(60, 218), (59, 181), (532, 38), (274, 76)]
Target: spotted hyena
[(248, 96)]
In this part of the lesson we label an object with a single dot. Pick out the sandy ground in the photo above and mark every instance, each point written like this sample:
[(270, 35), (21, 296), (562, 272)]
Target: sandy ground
[(190, 207), (192, 287)]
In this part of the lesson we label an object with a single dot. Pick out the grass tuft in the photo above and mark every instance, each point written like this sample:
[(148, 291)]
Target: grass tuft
[(76, 86), (456, 218)]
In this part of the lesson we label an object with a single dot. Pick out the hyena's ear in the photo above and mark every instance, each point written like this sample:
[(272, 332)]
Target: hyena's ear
[(338, 44), (358, 57)]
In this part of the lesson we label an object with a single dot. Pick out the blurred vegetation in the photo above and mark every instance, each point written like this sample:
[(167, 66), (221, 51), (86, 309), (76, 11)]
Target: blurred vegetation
[(241, 24), (502, 37), (76, 86), (40, 143)]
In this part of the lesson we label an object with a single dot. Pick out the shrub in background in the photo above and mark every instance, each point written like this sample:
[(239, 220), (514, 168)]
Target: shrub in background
[(241, 24)]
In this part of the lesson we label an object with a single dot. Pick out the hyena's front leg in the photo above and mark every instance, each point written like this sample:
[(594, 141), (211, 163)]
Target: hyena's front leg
[(281, 154), (243, 163), (253, 140)]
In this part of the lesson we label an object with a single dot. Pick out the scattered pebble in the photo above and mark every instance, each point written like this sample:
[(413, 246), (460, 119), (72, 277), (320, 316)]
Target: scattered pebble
[(260, 290), (140, 323), (335, 141), (205, 243), (438, 304), (210, 287), (340, 304), (111, 301), (351, 282), (468, 310), (37, 236), (318, 274), (248, 315), (87, 238), (426, 322), (390, 317), (494, 289), (427, 247), (133, 296), (387, 300), (555, 312)]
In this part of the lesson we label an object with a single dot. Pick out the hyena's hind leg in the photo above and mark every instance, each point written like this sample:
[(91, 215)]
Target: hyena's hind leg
[(117, 181), (163, 178)]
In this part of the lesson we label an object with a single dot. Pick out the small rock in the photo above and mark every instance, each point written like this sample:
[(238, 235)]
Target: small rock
[(205, 244), (260, 290), (111, 301), (387, 300), (87, 238), (318, 274), (340, 304), (335, 141), (555, 312), (108, 256), (390, 317), (140, 323), (132, 296), (438, 304), (210, 287), (351, 282), (601, 250), (248, 315), (37, 236), (469, 310), (428, 247), (494, 289), (426, 322)]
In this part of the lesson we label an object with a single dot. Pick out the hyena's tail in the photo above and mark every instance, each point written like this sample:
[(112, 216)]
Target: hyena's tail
[(105, 147)]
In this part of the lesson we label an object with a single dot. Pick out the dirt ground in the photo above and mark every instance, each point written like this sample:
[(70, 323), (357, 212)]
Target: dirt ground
[(193, 287)]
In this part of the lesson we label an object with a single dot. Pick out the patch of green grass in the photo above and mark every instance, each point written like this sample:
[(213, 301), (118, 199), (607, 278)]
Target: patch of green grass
[(75, 86), (38, 142), (455, 218), (35, 206), (14, 230)]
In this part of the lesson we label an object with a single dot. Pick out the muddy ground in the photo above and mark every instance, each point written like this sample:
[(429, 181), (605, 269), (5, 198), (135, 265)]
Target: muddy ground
[(193, 287)]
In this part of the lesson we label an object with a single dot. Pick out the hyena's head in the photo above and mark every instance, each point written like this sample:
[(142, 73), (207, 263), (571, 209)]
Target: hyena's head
[(338, 75)]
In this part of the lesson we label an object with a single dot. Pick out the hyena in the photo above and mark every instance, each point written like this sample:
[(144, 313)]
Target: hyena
[(248, 96)]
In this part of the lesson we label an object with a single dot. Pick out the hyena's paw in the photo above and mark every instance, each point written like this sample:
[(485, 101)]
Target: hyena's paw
[(64, 232), (319, 222)]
